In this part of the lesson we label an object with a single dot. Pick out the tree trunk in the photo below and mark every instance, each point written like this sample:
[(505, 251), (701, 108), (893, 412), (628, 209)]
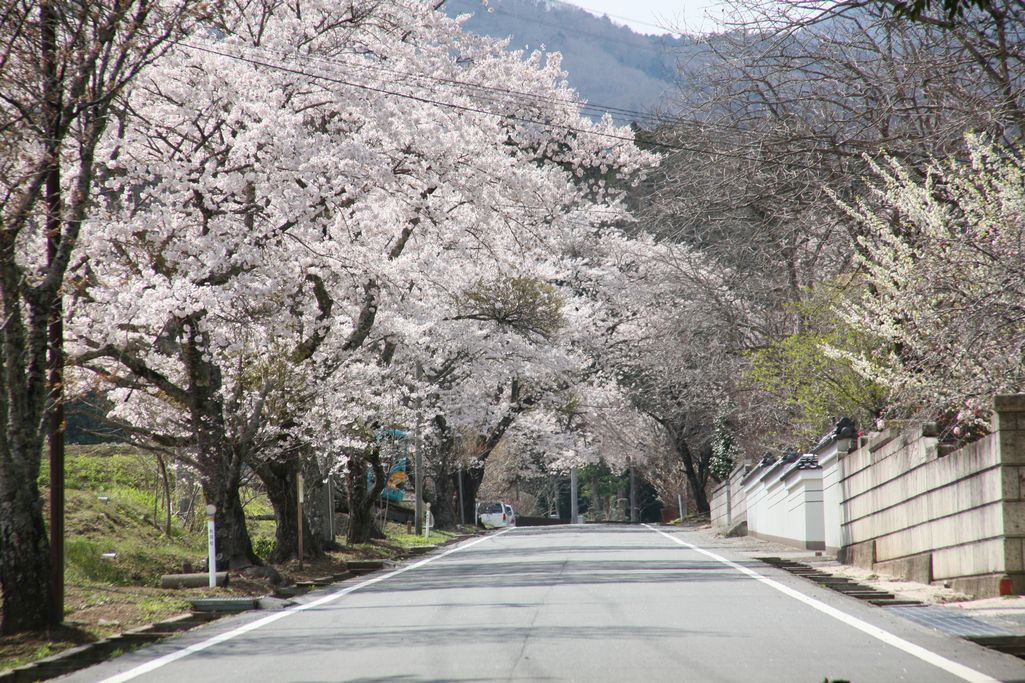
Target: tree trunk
[(220, 459), (24, 556), (696, 482), (234, 547), (363, 497), (165, 483), (280, 481), (473, 477), (25, 564), (319, 510), (444, 506)]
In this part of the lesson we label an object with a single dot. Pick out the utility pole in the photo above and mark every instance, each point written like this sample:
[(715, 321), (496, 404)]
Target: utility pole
[(299, 514), (418, 479), (55, 331), (462, 506), (634, 517), (574, 513)]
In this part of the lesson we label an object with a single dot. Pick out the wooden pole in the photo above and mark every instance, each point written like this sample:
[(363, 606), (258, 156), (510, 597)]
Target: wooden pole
[(299, 516)]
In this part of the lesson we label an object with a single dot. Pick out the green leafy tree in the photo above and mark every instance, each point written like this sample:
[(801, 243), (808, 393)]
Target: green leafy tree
[(725, 451), (524, 304), (810, 375)]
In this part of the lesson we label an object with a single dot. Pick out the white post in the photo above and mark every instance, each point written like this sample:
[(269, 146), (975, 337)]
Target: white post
[(679, 506), (427, 520), (211, 542)]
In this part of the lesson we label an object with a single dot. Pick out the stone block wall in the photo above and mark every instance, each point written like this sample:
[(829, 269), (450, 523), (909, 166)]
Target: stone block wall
[(910, 510)]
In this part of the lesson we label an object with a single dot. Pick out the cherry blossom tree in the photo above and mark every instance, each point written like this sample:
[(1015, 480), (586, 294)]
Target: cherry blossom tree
[(672, 347), (62, 66), (289, 211)]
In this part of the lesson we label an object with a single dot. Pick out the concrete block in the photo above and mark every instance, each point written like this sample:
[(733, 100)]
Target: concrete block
[(1012, 447), (1014, 555), (1011, 482), (1014, 518), (970, 559), (915, 568), (1008, 403), (861, 554), (983, 586)]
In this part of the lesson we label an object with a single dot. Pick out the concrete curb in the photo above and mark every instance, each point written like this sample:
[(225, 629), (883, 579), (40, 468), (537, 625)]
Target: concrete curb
[(88, 654)]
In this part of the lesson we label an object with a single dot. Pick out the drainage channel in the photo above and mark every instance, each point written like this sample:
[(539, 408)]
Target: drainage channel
[(839, 583), (938, 618)]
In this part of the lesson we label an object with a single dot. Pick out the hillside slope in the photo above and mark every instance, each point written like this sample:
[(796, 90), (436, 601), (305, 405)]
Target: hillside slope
[(609, 65)]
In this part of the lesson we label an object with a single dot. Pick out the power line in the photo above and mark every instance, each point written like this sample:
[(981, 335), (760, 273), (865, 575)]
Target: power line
[(475, 110), (651, 119), (410, 96), (638, 116), (548, 99)]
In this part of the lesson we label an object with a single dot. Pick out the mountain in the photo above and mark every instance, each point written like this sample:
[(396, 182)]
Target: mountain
[(609, 65)]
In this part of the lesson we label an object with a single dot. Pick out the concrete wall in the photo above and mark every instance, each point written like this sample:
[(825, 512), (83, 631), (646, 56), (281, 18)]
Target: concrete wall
[(784, 502), (909, 509), (729, 502), (831, 453), (900, 503)]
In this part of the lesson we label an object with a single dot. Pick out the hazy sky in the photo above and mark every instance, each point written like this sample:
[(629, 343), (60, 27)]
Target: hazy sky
[(656, 16)]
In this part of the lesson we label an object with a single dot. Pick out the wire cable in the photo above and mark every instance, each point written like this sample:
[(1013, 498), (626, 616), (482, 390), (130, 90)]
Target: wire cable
[(469, 109)]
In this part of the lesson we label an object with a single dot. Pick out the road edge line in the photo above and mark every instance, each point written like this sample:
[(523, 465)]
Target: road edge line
[(928, 656), (155, 664)]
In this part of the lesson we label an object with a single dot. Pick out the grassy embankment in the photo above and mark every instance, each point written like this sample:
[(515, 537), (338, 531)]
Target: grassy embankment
[(116, 549)]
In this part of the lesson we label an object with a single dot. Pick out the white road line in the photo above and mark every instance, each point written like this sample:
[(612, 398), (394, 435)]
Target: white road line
[(959, 670), (252, 626)]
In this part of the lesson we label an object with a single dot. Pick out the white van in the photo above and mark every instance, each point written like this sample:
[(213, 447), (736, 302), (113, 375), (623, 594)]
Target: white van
[(494, 515)]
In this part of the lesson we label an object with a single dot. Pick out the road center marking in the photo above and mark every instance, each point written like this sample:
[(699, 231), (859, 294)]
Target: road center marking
[(952, 667), (252, 626)]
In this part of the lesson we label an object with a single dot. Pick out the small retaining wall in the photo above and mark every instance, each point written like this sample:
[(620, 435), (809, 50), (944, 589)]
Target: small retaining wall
[(910, 510)]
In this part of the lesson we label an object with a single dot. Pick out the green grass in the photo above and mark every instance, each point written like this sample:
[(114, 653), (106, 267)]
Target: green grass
[(397, 535), (104, 467), (114, 505)]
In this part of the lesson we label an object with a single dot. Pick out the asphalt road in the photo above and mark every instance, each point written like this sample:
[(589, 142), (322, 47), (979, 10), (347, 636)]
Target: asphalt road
[(573, 603)]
